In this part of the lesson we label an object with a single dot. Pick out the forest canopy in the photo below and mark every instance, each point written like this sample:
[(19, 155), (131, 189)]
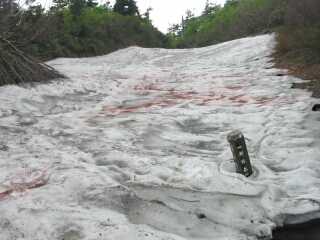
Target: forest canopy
[(240, 18), (77, 28), (80, 28)]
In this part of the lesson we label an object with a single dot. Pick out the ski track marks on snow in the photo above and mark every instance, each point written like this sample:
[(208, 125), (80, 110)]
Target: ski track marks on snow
[(133, 146)]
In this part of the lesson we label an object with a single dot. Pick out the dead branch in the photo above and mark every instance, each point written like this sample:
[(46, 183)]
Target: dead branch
[(16, 67)]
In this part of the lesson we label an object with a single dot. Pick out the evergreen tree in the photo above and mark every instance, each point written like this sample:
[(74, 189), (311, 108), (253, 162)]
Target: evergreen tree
[(8, 16), (210, 8), (146, 15), (126, 7), (175, 30), (189, 15), (60, 4), (77, 6), (91, 3), (232, 3), (185, 20), (107, 6), (8, 6)]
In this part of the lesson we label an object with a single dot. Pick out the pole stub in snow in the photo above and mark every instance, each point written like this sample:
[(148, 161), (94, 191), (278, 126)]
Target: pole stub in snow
[(240, 153)]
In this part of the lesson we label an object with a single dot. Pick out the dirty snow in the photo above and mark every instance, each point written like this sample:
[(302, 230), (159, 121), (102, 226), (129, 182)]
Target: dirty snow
[(133, 146)]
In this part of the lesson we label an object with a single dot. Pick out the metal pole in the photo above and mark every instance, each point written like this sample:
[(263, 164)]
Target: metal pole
[(240, 153)]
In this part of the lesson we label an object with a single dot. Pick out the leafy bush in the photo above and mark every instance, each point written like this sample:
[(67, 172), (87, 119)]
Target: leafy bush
[(297, 23), (76, 29), (236, 19), (299, 37)]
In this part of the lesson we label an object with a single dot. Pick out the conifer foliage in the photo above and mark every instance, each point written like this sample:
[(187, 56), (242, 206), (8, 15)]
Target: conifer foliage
[(126, 7)]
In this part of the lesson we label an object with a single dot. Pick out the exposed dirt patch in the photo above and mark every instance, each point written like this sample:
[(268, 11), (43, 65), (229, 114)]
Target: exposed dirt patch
[(306, 71), (309, 231)]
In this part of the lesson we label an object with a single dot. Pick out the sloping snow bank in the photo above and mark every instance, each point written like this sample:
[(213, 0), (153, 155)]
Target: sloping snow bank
[(134, 146)]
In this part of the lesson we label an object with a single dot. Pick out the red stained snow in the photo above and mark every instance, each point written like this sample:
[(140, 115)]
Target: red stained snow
[(23, 182), (171, 97), (5, 194)]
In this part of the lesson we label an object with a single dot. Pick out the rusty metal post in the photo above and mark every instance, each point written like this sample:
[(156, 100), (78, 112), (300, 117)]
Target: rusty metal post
[(240, 153)]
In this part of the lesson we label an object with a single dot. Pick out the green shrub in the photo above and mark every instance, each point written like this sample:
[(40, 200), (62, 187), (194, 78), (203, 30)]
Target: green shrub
[(94, 30)]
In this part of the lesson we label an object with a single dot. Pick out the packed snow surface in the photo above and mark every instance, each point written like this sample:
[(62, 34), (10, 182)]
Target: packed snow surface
[(133, 146)]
